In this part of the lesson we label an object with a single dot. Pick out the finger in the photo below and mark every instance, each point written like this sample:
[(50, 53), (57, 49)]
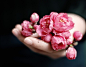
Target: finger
[(75, 43), (17, 33), (39, 44), (39, 51), (55, 55), (19, 27), (34, 49), (43, 53), (35, 35), (59, 54)]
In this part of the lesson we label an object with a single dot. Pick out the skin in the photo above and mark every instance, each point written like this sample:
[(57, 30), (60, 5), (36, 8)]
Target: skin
[(85, 28), (44, 48)]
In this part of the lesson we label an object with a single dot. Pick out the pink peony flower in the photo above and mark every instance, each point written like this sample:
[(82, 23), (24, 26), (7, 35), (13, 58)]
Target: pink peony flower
[(77, 35), (71, 53), (34, 17), (61, 22), (45, 27), (39, 30), (46, 24), (58, 42), (26, 33), (27, 28), (47, 38), (53, 15), (26, 25)]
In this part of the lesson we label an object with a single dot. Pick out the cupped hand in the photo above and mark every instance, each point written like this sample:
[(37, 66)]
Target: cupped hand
[(37, 45)]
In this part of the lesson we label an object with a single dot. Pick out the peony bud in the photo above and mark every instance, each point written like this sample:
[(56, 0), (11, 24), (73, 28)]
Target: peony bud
[(34, 17), (71, 53), (77, 35), (75, 43), (58, 42)]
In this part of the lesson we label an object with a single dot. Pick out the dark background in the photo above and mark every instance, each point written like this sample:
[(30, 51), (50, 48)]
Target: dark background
[(14, 53)]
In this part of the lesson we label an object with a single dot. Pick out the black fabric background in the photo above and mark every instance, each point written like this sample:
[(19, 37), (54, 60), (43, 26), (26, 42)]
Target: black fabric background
[(15, 11), (14, 53)]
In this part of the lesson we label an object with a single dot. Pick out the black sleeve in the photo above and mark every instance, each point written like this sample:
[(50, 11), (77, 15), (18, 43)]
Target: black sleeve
[(78, 7)]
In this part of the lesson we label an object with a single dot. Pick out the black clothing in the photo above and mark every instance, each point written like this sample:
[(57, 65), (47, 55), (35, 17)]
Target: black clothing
[(14, 12)]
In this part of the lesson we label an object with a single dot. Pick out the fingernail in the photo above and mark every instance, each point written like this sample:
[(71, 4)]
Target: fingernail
[(75, 43), (28, 41)]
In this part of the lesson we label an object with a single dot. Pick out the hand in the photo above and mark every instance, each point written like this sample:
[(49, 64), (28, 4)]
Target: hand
[(44, 48), (37, 45)]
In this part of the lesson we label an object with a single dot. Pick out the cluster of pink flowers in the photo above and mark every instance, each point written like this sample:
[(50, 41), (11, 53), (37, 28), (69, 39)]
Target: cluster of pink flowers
[(54, 29), (28, 27)]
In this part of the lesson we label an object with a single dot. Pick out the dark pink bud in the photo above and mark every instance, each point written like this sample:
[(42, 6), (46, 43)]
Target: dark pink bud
[(34, 17), (77, 35), (71, 53)]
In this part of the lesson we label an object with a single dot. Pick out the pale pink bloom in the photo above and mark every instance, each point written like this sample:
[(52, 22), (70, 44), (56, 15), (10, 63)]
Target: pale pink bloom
[(62, 22), (58, 42), (39, 30), (34, 18), (77, 35), (46, 24), (47, 38), (45, 27), (71, 53), (53, 15)]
